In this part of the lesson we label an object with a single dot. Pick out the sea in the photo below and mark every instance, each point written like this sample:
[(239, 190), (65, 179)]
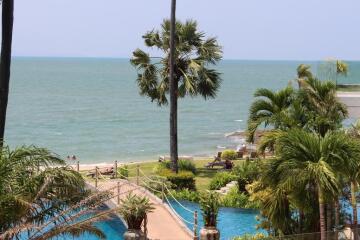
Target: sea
[(91, 108)]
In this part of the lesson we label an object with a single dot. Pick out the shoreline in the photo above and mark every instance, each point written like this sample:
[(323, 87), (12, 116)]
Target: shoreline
[(91, 166)]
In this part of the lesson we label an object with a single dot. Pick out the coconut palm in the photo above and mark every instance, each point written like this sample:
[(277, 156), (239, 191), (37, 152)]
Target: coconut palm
[(352, 172), (270, 108), (320, 99), (307, 158), (194, 55), (36, 192), (5, 61)]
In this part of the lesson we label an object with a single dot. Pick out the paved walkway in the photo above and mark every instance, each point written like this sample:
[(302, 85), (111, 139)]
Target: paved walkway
[(352, 101), (162, 223)]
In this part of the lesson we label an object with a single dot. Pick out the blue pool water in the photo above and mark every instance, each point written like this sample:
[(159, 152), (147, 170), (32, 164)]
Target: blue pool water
[(231, 221)]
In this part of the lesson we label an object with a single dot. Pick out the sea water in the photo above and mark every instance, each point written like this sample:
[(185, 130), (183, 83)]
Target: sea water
[(91, 108)]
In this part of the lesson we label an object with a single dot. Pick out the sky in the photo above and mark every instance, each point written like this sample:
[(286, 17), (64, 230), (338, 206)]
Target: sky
[(247, 29)]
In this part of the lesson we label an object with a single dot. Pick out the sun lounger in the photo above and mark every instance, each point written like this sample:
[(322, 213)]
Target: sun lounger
[(106, 172)]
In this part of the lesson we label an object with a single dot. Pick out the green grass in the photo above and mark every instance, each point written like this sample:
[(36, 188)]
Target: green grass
[(202, 178)]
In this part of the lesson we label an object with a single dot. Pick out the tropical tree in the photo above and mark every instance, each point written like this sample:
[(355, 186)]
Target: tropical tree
[(194, 55), (173, 90), (5, 60), (319, 98), (351, 171), (41, 198), (307, 158), (270, 108)]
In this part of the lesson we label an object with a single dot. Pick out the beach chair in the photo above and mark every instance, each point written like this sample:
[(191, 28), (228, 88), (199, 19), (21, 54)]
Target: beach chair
[(217, 161), (106, 172)]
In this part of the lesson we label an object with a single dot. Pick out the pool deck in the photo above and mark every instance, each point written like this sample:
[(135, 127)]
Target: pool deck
[(162, 223)]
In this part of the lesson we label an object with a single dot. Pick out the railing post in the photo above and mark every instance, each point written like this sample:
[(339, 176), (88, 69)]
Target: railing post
[(115, 168), (137, 174), (195, 225), (96, 177), (118, 192), (77, 166)]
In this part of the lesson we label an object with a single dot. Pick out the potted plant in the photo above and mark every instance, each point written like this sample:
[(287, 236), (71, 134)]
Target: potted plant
[(134, 210), (209, 204)]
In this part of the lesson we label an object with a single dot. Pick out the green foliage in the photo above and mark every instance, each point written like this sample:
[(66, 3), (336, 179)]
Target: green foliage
[(258, 236), (237, 199), (187, 165), (221, 179), (181, 180), (134, 209), (194, 54), (186, 194), (246, 173), (183, 165), (40, 194), (123, 172), (229, 154), (209, 204)]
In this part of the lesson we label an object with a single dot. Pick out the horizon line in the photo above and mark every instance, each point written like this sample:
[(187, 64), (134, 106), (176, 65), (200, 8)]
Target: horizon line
[(226, 59)]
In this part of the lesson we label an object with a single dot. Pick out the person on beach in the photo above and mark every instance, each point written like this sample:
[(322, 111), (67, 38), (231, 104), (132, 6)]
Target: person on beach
[(68, 158), (73, 158)]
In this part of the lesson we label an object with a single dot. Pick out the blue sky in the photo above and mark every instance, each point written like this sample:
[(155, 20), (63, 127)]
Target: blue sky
[(247, 29)]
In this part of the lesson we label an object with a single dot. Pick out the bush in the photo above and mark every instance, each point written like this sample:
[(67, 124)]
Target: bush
[(246, 173), (187, 165), (221, 179), (237, 199), (229, 155), (185, 194), (123, 172), (184, 165), (182, 180)]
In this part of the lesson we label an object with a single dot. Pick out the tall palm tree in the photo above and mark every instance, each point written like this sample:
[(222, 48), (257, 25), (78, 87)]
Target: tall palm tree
[(194, 55), (5, 61), (269, 108), (320, 99), (39, 199), (305, 157), (352, 172), (172, 91)]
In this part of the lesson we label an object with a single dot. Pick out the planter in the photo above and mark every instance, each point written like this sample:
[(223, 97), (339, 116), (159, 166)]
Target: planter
[(132, 234), (209, 233)]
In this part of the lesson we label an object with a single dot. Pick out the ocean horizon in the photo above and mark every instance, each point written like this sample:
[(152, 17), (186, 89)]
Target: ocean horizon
[(90, 107)]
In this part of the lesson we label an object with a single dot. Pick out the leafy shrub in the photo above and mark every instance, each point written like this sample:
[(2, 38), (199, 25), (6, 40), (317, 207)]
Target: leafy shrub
[(186, 194), (184, 165), (237, 199), (229, 155), (134, 208), (209, 204), (182, 180), (258, 236), (187, 165), (246, 173), (221, 179), (123, 172)]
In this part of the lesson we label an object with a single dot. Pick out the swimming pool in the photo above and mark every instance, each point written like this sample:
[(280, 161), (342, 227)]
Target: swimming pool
[(231, 221)]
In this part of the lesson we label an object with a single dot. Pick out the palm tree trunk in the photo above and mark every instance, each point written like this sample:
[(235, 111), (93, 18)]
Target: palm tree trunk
[(329, 208), (5, 61), (173, 93), (322, 215), (337, 217), (354, 207)]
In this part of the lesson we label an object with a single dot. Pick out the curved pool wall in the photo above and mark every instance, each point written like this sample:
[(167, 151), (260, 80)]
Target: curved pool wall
[(231, 221)]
